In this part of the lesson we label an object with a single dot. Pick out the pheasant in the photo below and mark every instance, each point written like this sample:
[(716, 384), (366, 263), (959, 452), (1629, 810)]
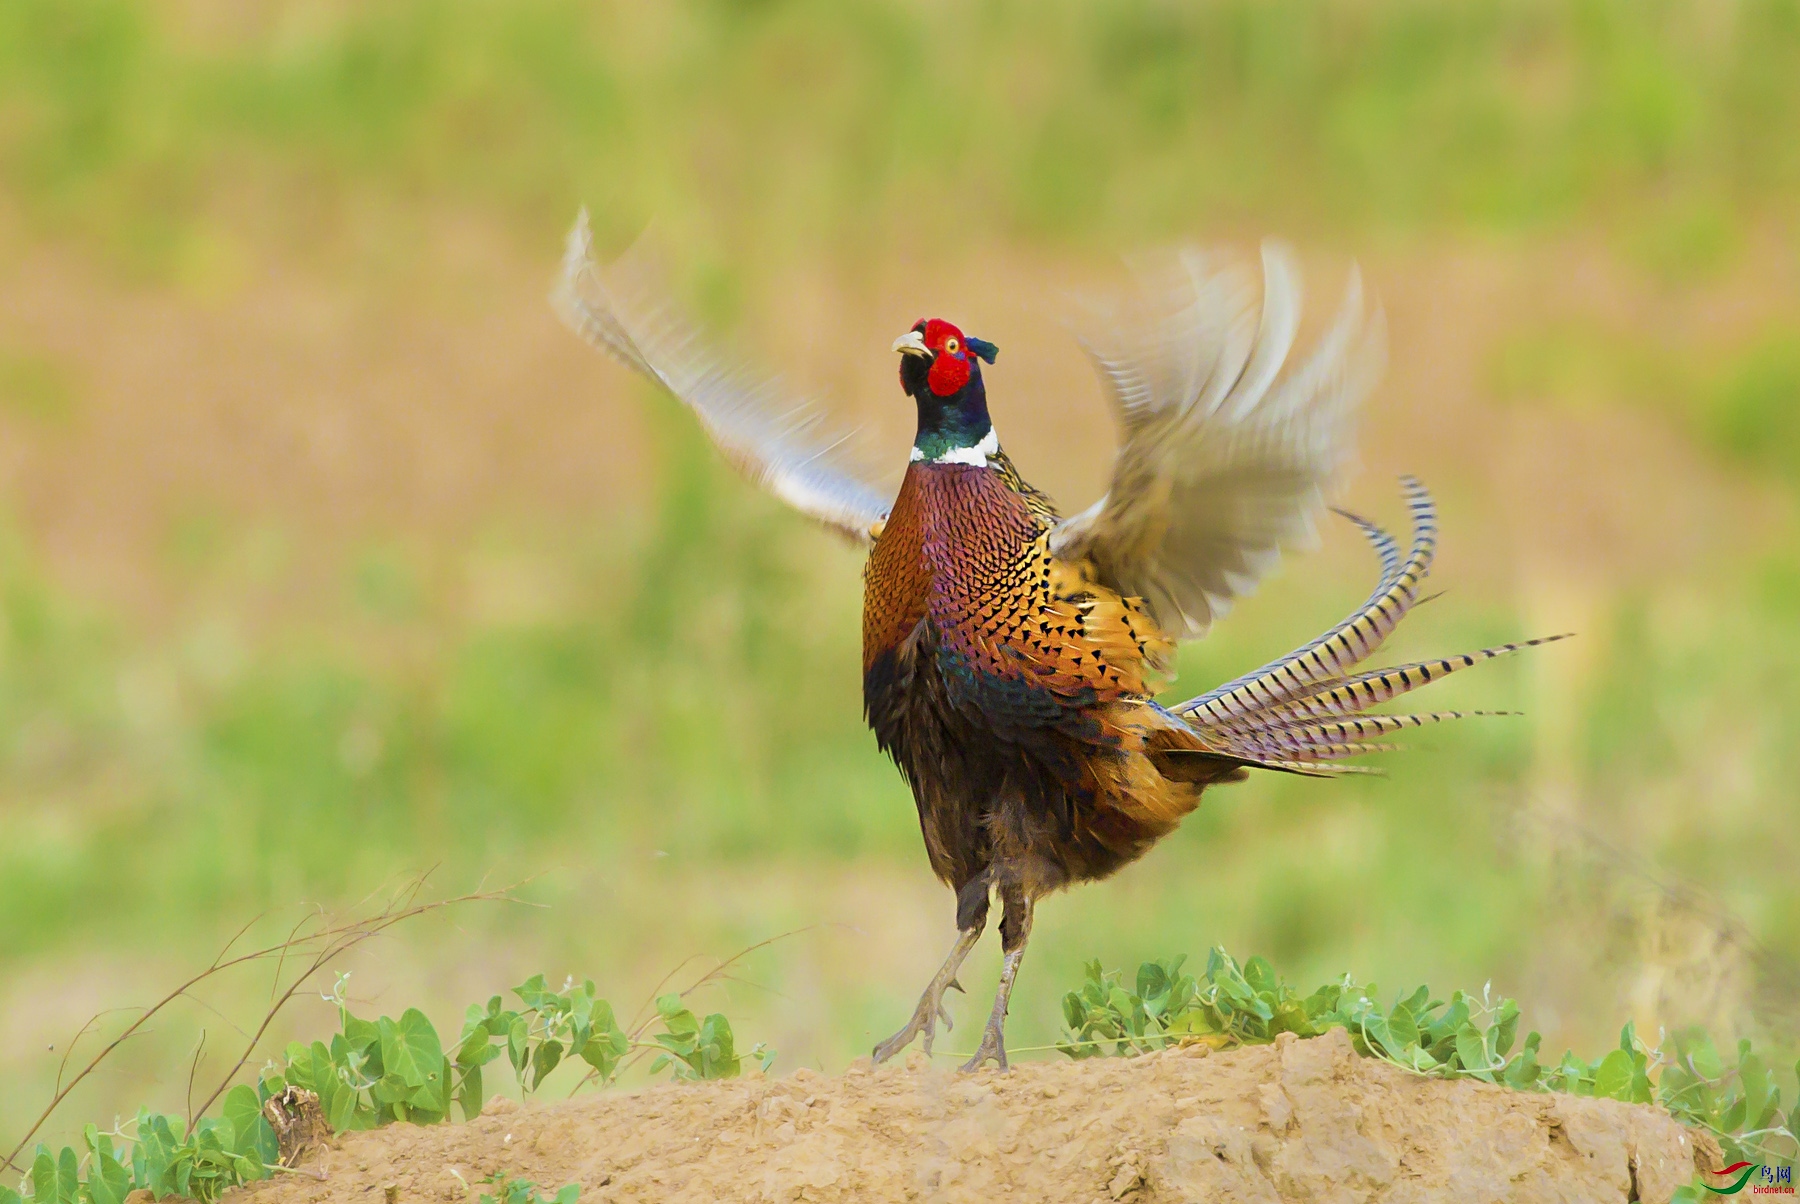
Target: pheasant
[(1011, 657)]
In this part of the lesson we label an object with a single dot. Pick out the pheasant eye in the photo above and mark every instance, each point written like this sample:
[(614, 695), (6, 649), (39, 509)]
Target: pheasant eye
[(951, 345)]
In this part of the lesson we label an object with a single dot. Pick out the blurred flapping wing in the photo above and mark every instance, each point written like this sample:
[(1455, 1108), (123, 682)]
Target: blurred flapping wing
[(774, 438), (1225, 458)]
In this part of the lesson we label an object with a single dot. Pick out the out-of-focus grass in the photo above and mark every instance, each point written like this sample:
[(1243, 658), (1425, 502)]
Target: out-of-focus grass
[(691, 697), (803, 123), (1743, 403), (675, 738)]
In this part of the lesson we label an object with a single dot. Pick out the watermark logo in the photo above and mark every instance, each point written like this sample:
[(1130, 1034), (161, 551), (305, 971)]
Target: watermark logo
[(1768, 1180)]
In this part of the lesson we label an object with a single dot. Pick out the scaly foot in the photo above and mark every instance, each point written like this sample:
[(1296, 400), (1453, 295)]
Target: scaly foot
[(931, 1003), (993, 1046), (924, 1020)]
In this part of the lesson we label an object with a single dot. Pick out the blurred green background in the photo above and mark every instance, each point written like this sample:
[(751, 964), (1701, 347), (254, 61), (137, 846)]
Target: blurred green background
[(327, 557)]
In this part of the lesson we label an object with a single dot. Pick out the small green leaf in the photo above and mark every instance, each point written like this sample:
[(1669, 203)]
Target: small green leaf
[(337, 1098), (1261, 976), (1522, 1070), (1612, 1078), (532, 991), (1153, 982), (1472, 1051), (1402, 1027), (244, 1111), (1506, 1025), (390, 1089), (548, 1054), (68, 1176), (43, 1177), (1757, 1086), (361, 1035), (607, 1045), (108, 1181), (469, 1095), (1575, 1075), (1374, 1030), (1705, 1058), (410, 1048), (678, 1020)]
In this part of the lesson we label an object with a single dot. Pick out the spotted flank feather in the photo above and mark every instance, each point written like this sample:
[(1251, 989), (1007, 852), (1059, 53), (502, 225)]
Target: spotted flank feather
[(1303, 710)]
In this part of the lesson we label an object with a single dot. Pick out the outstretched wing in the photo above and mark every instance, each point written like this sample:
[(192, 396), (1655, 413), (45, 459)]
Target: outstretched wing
[(1226, 457), (774, 438)]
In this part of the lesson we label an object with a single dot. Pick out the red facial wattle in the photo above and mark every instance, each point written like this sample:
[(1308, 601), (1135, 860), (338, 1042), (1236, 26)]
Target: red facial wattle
[(950, 365), (949, 373)]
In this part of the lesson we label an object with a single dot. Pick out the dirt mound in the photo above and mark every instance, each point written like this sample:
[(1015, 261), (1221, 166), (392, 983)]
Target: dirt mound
[(1295, 1121)]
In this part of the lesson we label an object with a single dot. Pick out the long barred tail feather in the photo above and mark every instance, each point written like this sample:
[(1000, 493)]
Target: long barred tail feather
[(1355, 728), (1319, 769), (1302, 712), (1339, 650), (1319, 752), (1386, 547), (1349, 696)]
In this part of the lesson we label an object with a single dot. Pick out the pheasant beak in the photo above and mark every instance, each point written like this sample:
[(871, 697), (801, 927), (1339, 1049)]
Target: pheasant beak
[(912, 343)]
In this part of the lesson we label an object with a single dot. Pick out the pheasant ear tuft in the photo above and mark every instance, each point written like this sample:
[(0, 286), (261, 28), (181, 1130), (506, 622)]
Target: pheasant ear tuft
[(981, 347)]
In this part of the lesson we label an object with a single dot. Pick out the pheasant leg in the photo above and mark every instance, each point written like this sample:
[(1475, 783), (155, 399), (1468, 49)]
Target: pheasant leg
[(931, 1003), (1012, 940)]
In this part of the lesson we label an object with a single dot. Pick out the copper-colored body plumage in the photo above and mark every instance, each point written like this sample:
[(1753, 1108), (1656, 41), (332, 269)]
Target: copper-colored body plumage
[(1013, 690)]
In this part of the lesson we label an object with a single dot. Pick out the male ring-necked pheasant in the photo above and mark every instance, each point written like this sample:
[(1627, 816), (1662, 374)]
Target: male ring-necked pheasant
[(1010, 657)]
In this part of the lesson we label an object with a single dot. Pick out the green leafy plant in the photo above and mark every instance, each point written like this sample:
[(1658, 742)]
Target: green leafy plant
[(552, 1025), (1466, 1036), (523, 1191), (1738, 1102), (163, 1156), (699, 1049), (373, 1073), (377, 1072)]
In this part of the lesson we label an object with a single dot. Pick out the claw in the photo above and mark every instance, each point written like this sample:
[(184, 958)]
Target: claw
[(902, 1039), (923, 1023), (957, 984), (993, 1047), (931, 1004)]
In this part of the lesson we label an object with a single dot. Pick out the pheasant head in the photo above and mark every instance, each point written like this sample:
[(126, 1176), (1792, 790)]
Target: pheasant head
[(940, 370)]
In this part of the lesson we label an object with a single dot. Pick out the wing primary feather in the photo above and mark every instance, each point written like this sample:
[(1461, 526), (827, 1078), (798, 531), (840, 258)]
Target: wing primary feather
[(774, 441), (1228, 448)]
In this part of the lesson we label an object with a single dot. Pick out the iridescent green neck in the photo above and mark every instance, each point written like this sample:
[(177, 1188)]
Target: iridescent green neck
[(955, 429), (940, 447)]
